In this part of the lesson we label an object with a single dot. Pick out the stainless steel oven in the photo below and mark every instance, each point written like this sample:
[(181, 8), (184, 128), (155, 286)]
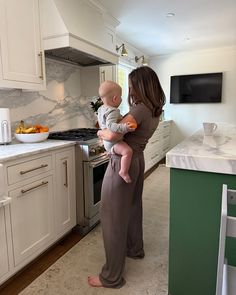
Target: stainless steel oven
[(91, 163), (94, 171)]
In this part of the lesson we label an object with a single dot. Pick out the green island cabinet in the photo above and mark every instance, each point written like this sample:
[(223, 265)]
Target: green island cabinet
[(199, 166)]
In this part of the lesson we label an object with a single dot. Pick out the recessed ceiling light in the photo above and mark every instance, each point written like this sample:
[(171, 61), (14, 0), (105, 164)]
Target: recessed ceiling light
[(170, 14)]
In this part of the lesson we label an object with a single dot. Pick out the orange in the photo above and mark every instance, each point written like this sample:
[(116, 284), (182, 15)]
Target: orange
[(133, 125)]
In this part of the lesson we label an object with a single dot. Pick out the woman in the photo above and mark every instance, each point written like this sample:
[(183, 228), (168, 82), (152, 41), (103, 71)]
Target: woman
[(121, 202)]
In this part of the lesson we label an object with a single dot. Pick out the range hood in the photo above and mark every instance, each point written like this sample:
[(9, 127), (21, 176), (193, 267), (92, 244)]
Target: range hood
[(68, 28)]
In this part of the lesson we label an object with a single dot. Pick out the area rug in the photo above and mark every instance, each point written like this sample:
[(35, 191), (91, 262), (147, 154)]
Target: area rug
[(68, 275)]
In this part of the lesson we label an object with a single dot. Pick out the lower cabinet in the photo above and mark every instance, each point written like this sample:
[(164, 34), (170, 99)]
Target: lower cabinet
[(31, 217), (42, 207), (4, 262), (158, 145), (65, 203)]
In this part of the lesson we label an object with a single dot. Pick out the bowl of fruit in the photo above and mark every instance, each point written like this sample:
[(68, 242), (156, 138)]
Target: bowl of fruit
[(32, 133)]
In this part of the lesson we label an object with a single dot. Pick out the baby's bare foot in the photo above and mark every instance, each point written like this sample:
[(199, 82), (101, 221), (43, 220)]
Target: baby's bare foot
[(125, 176), (94, 281)]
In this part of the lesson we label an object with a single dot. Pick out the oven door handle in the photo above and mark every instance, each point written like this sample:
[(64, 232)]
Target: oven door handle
[(95, 163)]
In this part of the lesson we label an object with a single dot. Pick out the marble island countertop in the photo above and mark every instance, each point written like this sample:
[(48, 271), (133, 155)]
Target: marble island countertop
[(16, 149), (216, 153)]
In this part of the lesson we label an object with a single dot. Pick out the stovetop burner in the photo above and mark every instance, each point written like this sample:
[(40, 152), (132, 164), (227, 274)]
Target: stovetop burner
[(79, 134)]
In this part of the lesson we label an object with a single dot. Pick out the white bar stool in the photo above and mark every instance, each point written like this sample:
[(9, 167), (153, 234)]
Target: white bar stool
[(226, 274)]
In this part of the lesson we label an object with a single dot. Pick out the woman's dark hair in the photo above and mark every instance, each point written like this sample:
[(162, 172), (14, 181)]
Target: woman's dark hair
[(146, 88)]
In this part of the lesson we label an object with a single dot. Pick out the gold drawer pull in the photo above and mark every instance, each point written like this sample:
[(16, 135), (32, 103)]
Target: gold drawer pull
[(41, 63), (33, 169), (23, 191), (166, 149), (66, 174), (155, 141), (154, 156)]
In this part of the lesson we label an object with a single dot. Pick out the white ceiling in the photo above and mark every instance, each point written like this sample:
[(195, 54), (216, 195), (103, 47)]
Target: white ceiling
[(197, 24)]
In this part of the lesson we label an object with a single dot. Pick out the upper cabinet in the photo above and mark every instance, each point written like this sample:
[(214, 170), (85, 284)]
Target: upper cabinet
[(21, 53), (108, 73)]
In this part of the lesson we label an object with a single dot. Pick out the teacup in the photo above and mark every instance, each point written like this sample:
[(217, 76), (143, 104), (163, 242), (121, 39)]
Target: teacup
[(209, 128)]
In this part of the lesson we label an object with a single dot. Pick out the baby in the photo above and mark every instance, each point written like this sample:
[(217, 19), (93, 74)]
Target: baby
[(108, 117)]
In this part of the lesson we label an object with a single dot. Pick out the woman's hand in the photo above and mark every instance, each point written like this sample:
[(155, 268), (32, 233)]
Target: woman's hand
[(108, 135), (131, 126), (129, 119)]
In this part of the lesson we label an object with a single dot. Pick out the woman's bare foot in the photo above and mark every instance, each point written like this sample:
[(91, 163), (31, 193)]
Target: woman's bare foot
[(94, 281), (126, 177)]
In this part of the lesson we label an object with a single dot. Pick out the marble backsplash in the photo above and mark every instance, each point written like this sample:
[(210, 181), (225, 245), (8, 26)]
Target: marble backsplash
[(62, 106)]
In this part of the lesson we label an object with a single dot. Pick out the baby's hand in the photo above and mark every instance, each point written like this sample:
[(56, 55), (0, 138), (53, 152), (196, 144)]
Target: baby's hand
[(131, 126), (99, 133)]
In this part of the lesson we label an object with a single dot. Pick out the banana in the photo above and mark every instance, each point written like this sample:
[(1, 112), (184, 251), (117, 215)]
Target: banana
[(18, 130), (29, 130), (20, 127)]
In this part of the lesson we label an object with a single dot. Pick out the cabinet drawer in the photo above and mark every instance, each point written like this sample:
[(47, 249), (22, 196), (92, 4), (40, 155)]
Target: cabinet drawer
[(157, 133), (165, 150), (27, 169), (166, 140), (154, 142), (166, 128)]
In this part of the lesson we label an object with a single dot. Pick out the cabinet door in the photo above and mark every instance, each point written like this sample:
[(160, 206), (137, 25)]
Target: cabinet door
[(31, 217), (22, 55), (65, 200), (4, 265), (107, 73)]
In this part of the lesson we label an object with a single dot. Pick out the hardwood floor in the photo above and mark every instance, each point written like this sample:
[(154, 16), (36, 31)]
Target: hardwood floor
[(23, 278)]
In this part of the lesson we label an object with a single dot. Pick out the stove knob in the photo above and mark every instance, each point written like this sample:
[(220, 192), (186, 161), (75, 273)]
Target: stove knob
[(97, 151), (102, 149), (92, 152)]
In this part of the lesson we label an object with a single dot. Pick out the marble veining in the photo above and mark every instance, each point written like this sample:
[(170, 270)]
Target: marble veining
[(18, 150), (216, 153), (62, 106)]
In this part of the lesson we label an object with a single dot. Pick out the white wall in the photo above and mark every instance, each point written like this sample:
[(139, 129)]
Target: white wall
[(188, 118)]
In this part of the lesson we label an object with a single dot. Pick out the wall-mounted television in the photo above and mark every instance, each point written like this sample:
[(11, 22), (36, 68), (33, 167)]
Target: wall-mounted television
[(197, 88)]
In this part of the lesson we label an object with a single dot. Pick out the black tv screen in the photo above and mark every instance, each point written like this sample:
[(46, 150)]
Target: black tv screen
[(197, 88)]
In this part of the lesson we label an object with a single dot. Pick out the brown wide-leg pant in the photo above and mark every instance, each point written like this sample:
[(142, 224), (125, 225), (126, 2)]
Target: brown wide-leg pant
[(121, 219)]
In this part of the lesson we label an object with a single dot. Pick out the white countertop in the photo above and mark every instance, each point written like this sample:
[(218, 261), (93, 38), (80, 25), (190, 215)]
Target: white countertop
[(16, 149), (216, 153)]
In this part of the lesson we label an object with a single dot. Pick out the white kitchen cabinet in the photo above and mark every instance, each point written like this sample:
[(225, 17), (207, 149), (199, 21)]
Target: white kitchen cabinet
[(21, 54), (31, 217), (166, 126), (158, 145), (108, 73), (65, 202), (42, 206), (30, 187), (4, 262)]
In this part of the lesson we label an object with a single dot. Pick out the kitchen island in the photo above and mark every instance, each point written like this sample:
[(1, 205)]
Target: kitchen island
[(199, 166)]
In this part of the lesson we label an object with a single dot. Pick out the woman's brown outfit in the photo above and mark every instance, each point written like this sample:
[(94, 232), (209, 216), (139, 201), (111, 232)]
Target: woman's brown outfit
[(121, 203)]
